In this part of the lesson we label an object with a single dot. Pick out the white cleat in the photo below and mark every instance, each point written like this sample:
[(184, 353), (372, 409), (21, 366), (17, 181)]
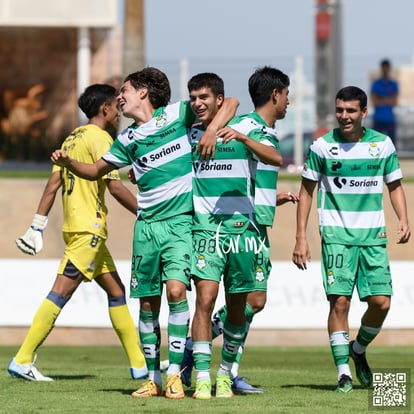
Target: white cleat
[(26, 371)]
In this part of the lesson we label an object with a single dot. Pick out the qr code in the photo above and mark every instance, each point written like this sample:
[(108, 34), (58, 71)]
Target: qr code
[(390, 389)]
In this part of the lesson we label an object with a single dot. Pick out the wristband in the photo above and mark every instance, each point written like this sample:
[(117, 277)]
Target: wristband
[(39, 222)]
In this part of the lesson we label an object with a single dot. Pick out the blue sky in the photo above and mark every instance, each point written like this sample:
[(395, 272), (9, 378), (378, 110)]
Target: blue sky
[(285, 28), (273, 32)]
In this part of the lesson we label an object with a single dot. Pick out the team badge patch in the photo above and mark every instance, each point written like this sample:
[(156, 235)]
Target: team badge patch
[(373, 150), (134, 281), (331, 278), (259, 274), (160, 121), (201, 262)]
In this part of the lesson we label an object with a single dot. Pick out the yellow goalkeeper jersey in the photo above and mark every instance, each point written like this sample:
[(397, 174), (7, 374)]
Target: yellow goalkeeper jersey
[(84, 208)]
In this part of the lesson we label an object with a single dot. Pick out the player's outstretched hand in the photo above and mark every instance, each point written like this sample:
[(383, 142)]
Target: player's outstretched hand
[(32, 241), (286, 197)]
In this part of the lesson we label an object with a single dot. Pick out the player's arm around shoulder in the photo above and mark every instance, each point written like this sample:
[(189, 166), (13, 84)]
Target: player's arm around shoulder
[(399, 204), (207, 145), (267, 154), (81, 169)]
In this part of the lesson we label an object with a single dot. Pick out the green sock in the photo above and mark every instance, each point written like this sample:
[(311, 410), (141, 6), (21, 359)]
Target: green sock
[(366, 335), (232, 339), (150, 335), (340, 347), (178, 323), (202, 356), (249, 313), (217, 322)]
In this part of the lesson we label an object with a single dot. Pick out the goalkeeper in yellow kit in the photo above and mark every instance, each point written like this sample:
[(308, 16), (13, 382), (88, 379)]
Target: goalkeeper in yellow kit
[(86, 256)]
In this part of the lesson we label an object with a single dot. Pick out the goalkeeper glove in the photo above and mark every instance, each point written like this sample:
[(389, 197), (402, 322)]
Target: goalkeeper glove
[(32, 241)]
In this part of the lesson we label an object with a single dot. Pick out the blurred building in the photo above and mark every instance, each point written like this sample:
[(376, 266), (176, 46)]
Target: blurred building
[(50, 51)]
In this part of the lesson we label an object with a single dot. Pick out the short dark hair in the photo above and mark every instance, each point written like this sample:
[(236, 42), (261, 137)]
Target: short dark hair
[(353, 93), (94, 96), (157, 83), (385, 62), (206, 80), (264, 81)]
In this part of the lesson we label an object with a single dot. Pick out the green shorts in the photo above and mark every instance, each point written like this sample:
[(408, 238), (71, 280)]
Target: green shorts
[(367, 267), (161, 252), (88, 253), (232, 256), (263, 263)]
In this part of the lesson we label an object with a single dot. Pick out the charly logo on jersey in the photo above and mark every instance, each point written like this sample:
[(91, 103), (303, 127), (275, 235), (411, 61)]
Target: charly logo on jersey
[(374, 150), (195, 134), (334, 150)]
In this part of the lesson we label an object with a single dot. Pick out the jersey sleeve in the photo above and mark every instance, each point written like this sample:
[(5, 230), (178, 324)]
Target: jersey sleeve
[(187, 114), (118, 153), (313, 164)]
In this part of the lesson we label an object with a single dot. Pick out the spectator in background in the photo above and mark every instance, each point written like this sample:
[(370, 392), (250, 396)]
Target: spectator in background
[(384, 96)]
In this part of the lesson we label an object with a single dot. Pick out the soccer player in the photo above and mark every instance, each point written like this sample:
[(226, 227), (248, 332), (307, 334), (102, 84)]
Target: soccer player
[(157, 147), (351, 164), (268, 89), (225, 234), (86, 256)]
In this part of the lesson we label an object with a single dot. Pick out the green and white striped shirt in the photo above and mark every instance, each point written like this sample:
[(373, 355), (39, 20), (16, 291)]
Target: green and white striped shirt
[(266, 175), (224, 188), (351, 178), (160, 154)]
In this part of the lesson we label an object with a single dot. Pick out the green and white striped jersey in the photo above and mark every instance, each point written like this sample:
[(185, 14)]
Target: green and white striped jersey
[(160, 154), (266, 175), (224, 188), (351, 178)]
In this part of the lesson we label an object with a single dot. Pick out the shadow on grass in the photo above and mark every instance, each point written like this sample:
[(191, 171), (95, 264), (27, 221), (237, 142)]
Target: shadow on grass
[(73, 377), (319, 387)]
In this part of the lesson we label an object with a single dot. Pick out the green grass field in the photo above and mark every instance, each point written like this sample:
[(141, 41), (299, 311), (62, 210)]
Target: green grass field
[(96, 380)]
